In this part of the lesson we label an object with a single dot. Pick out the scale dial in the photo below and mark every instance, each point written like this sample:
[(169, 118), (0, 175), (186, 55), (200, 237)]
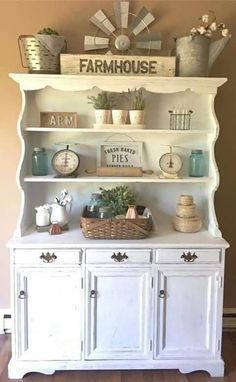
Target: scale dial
[(170, 164), (65, 162)]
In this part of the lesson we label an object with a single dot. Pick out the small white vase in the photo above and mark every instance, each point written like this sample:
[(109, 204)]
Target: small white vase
[(136, 117), (119, 117), (102, 116)]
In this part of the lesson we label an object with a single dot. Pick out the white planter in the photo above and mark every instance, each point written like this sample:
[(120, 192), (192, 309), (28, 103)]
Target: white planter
[(103, 116), (136, 117), (119, 117)]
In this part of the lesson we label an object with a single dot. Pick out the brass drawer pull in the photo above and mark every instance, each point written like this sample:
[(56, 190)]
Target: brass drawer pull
[(93, 294), (189, 257), (119, 257), (162, 294), (48, 257), (22, 294)]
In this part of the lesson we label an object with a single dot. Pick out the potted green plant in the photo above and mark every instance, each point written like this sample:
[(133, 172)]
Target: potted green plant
[(118, 198), (137, 105), (103, 103)]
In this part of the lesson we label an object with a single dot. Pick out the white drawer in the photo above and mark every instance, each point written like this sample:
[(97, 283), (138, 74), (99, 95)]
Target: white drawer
[(47, 256), (188, 256), (118, 256)]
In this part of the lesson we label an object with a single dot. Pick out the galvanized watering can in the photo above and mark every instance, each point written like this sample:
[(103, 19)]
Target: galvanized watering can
[(196, 55)]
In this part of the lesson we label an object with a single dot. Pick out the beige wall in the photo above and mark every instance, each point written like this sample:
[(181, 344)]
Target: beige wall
[(70, 18)]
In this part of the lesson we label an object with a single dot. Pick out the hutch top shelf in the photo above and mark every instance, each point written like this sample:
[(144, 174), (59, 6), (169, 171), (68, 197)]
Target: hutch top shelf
[(118, 83)]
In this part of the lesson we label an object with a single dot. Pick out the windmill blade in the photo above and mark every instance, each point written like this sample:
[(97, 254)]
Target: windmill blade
[(149, 41), (143, 19), (102, 22), (93, 43), (121, 11)]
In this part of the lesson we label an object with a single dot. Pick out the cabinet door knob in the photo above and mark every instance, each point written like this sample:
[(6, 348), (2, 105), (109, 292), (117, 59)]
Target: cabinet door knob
[(118, 257), (22, 294), (162, 294), (93, 294), (189, 257), (48, 257)]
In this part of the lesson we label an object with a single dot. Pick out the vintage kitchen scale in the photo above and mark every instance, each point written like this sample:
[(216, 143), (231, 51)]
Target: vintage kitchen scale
[(170, 164), (66, 162)]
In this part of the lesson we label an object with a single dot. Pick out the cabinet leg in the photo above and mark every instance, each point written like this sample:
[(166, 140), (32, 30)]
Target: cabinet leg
[(17, 370), (214, 368)]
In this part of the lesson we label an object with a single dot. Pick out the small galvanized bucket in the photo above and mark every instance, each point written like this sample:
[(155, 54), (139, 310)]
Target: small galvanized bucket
[(192, 56), (38, 59)]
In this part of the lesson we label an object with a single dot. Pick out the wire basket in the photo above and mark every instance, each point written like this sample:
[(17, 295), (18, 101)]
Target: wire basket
[(95, 228), (180, 120), (37, 58)]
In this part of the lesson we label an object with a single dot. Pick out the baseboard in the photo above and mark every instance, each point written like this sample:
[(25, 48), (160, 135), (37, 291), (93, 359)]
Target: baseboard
[(229, 319), (5, 321)]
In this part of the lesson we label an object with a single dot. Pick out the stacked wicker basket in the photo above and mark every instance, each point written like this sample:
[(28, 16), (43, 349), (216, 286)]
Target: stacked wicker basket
[(186, 219)]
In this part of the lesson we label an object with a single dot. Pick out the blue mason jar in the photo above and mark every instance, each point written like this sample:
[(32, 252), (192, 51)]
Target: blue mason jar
[(39, 161), (196, 163), (94, 204), (105, 212)]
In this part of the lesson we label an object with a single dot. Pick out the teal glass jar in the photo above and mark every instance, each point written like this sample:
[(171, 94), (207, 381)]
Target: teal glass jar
[(196, 163), (39, 161), (105, 212), (94, 204)]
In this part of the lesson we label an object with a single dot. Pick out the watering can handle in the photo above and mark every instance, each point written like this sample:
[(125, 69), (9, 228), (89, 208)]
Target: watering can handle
[(19, 45)]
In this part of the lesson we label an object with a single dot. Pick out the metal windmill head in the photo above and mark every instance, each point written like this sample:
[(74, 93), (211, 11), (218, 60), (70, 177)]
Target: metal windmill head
[(126, 32)]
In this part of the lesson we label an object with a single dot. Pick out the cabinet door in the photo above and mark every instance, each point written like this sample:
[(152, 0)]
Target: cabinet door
[(48, 309), (118, 320), (186, 313)]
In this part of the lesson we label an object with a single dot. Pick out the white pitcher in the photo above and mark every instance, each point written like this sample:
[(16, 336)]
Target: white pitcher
[(60, 214)]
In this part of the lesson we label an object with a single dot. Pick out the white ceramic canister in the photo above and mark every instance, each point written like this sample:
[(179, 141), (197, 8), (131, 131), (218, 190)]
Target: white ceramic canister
[(42, 217)]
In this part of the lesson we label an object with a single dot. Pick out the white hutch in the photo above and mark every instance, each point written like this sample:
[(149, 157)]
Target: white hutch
[(73, 306)]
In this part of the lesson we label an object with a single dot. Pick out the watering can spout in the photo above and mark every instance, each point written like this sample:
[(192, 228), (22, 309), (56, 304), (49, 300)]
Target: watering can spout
[(216, 48)]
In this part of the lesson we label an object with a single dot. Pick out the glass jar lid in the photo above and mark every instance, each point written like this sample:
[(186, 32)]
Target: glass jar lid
[(105, 209), (196, 151), (39, 149), (96, 196)]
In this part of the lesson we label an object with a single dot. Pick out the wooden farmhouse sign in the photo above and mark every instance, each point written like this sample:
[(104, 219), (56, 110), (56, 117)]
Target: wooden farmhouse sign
[(120, 154), (117, 65), (58, 119)]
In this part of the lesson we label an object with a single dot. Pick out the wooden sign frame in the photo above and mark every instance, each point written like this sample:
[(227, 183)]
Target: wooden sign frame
[(120, 154), (117, 65), (61, 119)]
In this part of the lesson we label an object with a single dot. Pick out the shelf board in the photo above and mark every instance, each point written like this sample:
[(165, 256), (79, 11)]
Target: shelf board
[(91, 179), (164, 236), (116, 129)]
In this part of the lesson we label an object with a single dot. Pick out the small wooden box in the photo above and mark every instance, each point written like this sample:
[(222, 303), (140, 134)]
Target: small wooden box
[(58, 119)]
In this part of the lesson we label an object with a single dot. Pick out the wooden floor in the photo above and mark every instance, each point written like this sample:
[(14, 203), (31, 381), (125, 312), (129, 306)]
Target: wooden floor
[(229, 355)]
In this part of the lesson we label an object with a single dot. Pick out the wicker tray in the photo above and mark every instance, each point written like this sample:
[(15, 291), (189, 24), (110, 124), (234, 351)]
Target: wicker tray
[(94, 228)]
